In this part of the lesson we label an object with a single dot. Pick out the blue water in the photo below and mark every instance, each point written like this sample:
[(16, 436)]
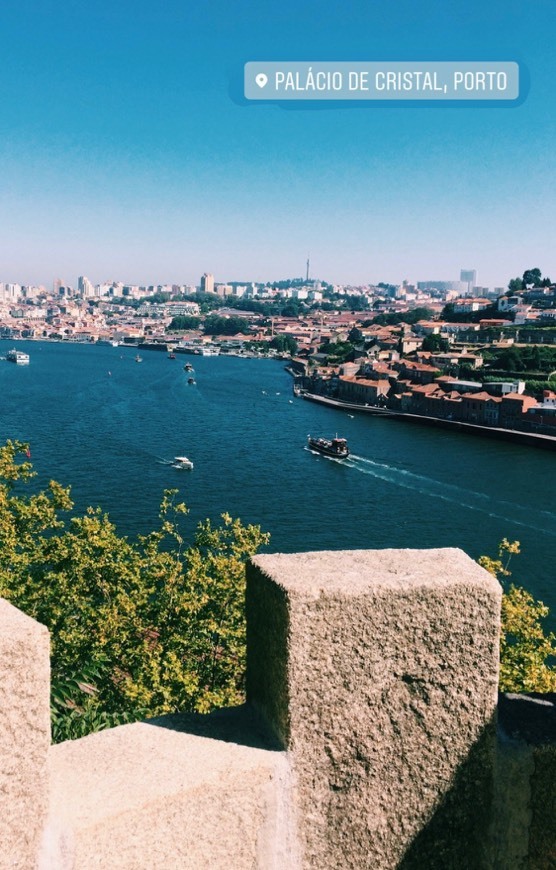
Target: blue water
[(109, 426)]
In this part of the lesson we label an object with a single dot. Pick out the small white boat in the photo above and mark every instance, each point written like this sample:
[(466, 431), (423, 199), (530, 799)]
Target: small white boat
[(182, 463)]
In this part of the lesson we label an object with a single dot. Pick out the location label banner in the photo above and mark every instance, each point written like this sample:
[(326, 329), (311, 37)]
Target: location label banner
[(381, 81)]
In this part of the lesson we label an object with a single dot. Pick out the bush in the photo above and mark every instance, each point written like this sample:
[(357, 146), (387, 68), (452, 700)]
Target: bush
[(137, 628), (525, 650)]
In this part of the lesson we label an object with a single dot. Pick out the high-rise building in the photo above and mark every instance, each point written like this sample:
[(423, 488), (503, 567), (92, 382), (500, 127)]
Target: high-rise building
[(84, 287), (207, 283), (470, 277)]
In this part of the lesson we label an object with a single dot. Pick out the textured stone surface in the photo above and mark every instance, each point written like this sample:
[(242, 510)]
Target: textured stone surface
[(379, 671), (176, 792), (525, 823), (24, 735)]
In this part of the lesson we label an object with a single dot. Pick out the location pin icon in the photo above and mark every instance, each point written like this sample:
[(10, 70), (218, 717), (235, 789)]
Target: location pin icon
[(261, 79)]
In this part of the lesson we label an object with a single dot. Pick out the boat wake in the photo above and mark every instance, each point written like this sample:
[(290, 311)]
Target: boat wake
[(514, 514)]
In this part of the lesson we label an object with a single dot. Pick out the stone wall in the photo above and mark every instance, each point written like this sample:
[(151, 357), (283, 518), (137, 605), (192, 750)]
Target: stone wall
[(368, 740)]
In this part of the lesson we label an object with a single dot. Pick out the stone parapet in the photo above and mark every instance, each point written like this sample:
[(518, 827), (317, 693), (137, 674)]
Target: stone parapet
[(177, 792), (24, 735), (379, 672), (368, 739)]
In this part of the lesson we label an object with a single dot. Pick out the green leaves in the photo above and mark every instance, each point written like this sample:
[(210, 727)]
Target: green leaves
[(525, 650), (138, 628)]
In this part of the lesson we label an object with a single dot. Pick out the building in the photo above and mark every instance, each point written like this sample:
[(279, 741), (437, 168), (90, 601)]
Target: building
[(84, 287), (207, 283), (443, 286), (469, 276)]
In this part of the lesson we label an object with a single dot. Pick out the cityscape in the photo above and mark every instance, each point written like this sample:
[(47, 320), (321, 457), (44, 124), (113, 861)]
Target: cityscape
[(448, 351)]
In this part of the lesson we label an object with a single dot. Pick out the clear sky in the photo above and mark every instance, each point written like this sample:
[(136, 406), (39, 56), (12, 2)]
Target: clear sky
[(123, 155)]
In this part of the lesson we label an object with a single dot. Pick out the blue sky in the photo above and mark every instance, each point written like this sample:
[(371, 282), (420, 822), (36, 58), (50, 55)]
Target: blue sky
[(123, 155)]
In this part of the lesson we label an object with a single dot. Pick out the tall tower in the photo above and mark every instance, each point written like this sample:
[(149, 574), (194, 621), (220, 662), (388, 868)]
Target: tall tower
[(470, 276), (207, 283), (307, 274)]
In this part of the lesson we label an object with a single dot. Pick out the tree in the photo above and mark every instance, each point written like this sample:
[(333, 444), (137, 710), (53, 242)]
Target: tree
[(355, 336), (284, 344), (435, 343), (137, 627), (525, 650), (184, 321), (515, 285), (532, 277), (215, 325)]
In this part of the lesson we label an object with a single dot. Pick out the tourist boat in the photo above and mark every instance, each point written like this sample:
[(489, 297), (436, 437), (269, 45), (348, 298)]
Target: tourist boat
[(335, 447), (18, 357), (188, 367), (182, 463)]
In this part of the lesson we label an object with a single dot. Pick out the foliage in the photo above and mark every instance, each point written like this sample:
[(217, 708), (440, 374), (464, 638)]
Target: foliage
[(137, 627), (536, 388), (410, 317), (530, 278), (532, 357), (355, 336), (435, 344), (184, 321), (515, 285), (284, 344), (338, 351), (525, 650), (215, 325)]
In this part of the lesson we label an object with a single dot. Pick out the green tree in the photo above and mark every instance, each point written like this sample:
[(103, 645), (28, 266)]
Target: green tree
[(284, 344), (515, 285), (525, 650), (355, 336), (532, 277), (137, 627), (215, 325), (435, 344), (184, 321)]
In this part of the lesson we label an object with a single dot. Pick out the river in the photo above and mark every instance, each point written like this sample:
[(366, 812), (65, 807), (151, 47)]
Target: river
[(110, 426)]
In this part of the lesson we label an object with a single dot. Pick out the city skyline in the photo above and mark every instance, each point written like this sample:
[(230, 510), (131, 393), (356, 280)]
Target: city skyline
[(124, 153)]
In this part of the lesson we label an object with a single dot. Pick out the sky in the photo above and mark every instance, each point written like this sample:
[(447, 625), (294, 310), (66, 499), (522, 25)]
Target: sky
[(125, 154)]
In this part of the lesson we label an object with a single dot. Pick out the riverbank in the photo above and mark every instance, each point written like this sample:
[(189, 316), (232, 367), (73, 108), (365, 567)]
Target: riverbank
[(547, 442)]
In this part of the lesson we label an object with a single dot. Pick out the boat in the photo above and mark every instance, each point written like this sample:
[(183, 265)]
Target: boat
[(18, 357), (188, 367), (191, 380), (138, 358), (182, 463), (335, 447), (171, 356)]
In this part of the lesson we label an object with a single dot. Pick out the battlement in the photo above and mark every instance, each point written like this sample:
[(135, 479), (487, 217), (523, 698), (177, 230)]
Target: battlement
[(369, 738)]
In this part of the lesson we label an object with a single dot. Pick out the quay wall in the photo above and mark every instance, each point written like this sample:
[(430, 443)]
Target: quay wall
[(369, 738), (531, 439)]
